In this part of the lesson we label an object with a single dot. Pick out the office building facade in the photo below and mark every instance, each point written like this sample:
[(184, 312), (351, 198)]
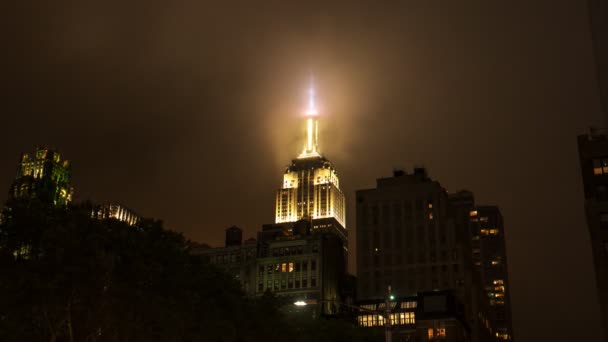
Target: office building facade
[(407, 237), (415, 237)]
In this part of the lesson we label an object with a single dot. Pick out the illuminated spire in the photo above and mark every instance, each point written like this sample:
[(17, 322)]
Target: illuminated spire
[(312, 127), (312, 109)]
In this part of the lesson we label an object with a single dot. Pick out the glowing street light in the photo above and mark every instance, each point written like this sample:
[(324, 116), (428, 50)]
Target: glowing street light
[(300, 303)]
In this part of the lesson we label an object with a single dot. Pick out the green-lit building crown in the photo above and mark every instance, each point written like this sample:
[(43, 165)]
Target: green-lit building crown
[(45, 176)]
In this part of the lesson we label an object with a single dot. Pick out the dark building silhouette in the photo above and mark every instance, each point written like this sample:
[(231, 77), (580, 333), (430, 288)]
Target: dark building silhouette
[(43, 175), (234, 236), (593, 154), (490, 258), (237, 260), (415, 237)]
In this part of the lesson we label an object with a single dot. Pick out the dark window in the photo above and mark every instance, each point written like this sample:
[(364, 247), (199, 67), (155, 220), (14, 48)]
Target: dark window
[(313, 265), (385, 214), (374, 215), (604, 220)]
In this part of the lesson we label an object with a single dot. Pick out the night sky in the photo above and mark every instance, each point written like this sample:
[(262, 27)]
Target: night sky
[(190, 112)]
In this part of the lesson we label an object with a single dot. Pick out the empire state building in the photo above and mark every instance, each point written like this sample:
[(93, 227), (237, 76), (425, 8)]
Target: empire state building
[(311, 188)]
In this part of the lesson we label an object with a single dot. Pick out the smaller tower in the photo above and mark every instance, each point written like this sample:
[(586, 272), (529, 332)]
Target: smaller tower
[(234, 236), (44, 176)]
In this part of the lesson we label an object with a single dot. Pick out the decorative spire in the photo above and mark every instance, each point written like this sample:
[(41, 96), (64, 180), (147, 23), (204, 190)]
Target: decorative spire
[(312, 127)]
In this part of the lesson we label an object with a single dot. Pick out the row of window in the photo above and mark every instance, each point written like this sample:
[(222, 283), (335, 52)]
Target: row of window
[(378, 285), (225, 259), (409, 259), (489, 231), (295, 250), (285, 284), (437, 333), (380, 306), (398, 318), (288, 267)]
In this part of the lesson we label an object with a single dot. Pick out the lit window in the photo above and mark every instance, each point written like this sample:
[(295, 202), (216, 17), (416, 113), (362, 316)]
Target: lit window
[(290, 267), (600, 166), (473, 213), (430, 333), (440, 332), (408, 305)]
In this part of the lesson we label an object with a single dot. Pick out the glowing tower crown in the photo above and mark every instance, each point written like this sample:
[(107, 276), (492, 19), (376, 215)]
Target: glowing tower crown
[(311, 188)]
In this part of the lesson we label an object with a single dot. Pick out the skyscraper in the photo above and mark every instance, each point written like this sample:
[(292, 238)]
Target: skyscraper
[(311, 188), (593, 154), (490, 258), (409, 237), (415, 237), (302, 256), (44, 176)]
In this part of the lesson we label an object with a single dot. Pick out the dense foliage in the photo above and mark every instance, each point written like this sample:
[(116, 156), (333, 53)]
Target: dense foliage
[(68, 277)]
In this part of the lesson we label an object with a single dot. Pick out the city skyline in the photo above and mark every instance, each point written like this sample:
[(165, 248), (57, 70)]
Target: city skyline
[(488, 104)]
